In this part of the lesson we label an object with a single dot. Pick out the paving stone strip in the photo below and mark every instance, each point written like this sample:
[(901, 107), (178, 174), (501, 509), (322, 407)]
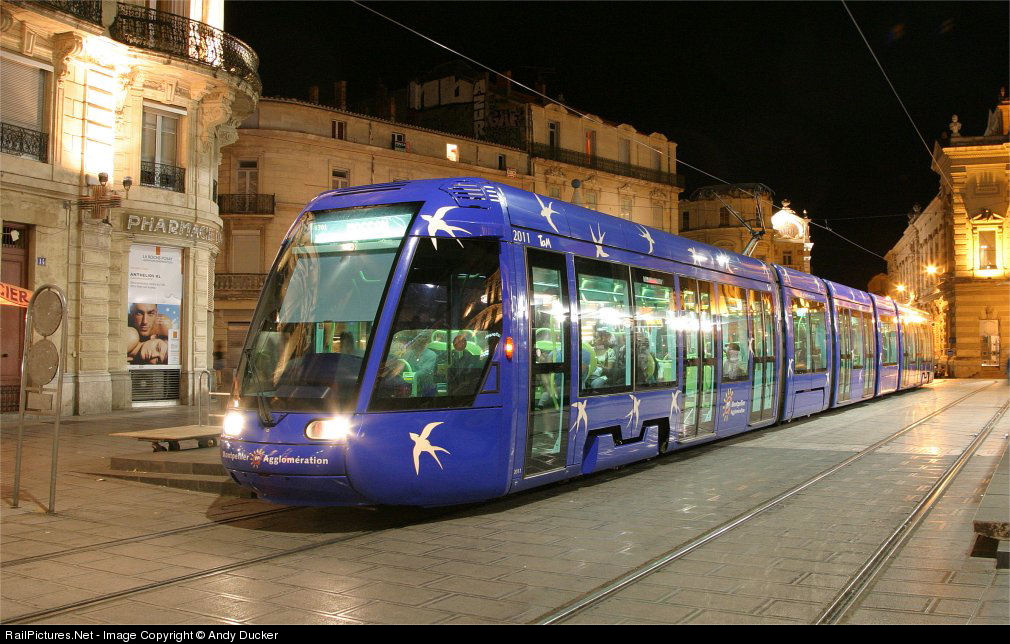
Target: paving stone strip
[(509, 561)]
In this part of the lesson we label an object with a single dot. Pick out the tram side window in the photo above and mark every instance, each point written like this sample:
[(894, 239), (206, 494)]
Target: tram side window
[(604, 327), (856, 324), (735, 342), (446, 329), (655, 329), (801, 335), (888, 341), (818, 337)]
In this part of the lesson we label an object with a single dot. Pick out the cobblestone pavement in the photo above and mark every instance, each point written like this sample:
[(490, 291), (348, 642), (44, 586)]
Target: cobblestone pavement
[(519, 558)]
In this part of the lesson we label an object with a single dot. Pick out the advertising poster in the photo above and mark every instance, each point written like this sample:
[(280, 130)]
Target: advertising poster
[(153, 316)]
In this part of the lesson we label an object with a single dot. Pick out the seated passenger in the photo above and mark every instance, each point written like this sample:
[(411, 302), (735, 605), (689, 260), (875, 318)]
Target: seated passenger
[(422, 360), (732, 369), (606, 359), (464, 369), (645, 362)]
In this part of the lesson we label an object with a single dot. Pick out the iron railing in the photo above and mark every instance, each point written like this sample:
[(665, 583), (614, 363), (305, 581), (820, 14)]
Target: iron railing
[(573, 157), (245, 204), (238, 286), (24, 142), (195, 41), (87, 10), (159, 175)]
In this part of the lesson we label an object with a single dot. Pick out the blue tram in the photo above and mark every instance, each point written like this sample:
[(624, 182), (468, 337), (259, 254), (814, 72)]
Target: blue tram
[(447, 341)]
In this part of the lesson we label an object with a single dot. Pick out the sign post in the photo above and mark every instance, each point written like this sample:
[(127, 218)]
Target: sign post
[(41, 363)]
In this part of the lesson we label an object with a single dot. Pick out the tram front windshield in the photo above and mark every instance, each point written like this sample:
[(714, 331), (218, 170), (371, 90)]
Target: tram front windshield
[(307, 340)]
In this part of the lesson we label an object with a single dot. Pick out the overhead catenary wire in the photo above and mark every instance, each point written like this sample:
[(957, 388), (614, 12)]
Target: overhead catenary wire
[(589, 117)]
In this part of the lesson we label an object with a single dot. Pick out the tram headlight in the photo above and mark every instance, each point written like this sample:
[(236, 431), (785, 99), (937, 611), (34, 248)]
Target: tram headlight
[(234, 423), (335, 429)]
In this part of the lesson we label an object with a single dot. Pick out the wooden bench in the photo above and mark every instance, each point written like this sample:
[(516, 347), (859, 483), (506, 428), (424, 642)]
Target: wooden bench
[(204, 435)]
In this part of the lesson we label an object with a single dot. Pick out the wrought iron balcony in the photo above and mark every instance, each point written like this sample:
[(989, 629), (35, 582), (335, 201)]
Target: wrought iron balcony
[(238, 286), (195, 41), (245, 204), (594, 162), (87, 10), (23, 142), (159, 175)]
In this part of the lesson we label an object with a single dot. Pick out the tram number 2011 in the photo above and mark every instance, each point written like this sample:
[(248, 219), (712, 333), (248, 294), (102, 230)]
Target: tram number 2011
[(524, 237)]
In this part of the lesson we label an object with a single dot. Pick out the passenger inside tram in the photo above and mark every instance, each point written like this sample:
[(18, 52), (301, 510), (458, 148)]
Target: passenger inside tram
[(606, 361), (645, 362), (464, 368)]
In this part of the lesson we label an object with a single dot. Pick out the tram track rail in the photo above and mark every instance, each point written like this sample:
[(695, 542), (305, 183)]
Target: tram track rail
[(554, 617), (147, 537), (858, 584)]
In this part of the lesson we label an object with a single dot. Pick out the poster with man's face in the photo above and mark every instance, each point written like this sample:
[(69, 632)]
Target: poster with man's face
[(155, 295)]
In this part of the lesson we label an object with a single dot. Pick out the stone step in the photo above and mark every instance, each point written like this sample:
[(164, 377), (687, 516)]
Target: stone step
[(205, 461), (221, 485)]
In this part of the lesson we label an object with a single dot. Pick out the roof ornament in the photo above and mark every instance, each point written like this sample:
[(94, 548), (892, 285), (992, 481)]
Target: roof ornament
[(954, 126)]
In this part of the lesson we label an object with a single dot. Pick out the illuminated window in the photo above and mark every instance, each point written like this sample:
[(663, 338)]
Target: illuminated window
[(986, 249), (452, 152), (626, 204), (591, 143)]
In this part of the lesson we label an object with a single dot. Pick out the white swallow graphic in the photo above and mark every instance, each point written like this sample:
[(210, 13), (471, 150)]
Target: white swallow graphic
[(436, 224), (632, 415), (790, 367), (598, 242), (696, 256), (582, 417), (675, 403), (648, 236), (547, 211), (421, 445)]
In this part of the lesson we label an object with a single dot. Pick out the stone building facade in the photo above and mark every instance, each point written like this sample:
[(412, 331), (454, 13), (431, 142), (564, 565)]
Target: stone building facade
[(707, 217), (954, 257), (289, 151), (113, 119)]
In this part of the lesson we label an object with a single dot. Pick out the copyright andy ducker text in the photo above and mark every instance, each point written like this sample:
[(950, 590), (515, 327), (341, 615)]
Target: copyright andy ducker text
[(156, 637)]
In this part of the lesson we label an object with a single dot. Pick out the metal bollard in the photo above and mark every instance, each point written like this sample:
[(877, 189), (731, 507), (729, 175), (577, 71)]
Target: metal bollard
[(199, 397)]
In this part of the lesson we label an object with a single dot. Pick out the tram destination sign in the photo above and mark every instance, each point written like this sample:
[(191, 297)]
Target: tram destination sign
[(173, 227)]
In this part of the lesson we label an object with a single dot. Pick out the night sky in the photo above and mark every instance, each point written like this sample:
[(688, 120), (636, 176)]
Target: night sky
[(785, 94)]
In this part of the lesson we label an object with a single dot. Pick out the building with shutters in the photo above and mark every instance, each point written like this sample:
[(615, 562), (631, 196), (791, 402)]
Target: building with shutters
[(288, 151), (113, 119), (953, 259), (708, 217)]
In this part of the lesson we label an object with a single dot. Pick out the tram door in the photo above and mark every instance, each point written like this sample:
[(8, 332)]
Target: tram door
[(549, 337), (858, 352), (698, 417), (844, 354), (869, 354), (762, 400)]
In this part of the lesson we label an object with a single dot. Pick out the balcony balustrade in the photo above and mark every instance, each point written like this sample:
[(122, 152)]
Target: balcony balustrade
[(159, 175), (245, 204), (87, 10), (23, 142), (238, 286), (181, 37), (594, 162)]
